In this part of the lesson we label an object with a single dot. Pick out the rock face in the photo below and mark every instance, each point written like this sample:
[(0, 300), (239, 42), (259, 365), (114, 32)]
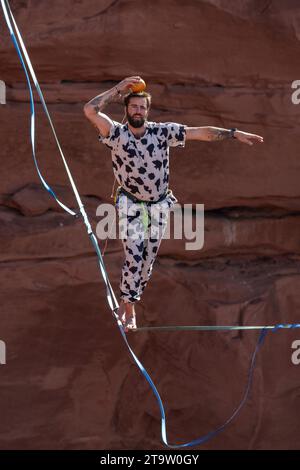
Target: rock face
[(68, 381)]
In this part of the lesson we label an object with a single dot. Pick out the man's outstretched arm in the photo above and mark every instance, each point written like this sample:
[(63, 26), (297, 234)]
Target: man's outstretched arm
[(211, 134), (93, 109)]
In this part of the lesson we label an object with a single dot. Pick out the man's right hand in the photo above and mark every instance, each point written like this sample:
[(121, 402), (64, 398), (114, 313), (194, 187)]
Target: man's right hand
[(125, 84), (94, 108)]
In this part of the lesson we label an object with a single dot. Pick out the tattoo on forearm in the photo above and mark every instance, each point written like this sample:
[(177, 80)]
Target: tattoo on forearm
[(217, 133), (99, 102)]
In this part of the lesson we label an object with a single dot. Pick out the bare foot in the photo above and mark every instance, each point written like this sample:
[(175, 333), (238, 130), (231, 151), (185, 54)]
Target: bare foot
[(129, 317)]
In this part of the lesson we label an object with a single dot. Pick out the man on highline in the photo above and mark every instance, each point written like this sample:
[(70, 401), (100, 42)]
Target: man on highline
[(140, 159)]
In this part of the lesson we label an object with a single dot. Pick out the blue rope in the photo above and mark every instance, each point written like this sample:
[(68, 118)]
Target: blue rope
[(109, 291), (32, 133), (110, 294)]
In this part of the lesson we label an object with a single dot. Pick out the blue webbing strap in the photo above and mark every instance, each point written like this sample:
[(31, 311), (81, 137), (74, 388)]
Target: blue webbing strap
[(32, 123), (7, 12), (110, 293)]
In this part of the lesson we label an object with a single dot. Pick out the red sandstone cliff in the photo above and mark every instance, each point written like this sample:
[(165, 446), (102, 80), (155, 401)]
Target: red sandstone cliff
[(68, 381)]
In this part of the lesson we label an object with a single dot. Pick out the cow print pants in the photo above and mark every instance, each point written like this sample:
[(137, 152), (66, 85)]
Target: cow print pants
[(141, 228)]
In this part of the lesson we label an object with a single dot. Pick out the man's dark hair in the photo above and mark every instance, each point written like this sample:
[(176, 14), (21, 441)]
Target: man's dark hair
[(141, 94)]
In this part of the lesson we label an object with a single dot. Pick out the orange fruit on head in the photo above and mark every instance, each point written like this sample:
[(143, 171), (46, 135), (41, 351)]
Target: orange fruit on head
[(137, 87)]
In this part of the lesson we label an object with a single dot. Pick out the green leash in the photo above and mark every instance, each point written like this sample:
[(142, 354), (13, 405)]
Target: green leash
[(145, 217)]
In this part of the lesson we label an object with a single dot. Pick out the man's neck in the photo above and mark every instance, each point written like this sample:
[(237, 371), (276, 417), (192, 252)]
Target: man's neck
[(138, 131)]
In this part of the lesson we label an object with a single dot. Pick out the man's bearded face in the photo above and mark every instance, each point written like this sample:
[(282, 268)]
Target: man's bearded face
[(137, 112)]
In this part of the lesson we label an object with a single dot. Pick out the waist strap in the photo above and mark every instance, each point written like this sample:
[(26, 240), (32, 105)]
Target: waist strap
[(121, 190)]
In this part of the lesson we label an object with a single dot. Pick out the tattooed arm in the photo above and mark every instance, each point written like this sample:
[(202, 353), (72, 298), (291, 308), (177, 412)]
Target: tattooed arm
[(93, 109), (210, 134)]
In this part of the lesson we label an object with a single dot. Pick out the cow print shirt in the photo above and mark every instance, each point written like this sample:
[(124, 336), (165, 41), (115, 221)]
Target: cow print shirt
[(141, 165)]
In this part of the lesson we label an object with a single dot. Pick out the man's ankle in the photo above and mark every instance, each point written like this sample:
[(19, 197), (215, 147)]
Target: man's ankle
[(130, 308)]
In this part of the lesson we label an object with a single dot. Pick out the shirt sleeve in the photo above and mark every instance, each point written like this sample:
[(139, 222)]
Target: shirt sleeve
[(113, 137), (176, 134)]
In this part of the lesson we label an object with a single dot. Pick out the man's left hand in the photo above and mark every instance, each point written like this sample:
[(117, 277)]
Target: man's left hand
[(247, 138)]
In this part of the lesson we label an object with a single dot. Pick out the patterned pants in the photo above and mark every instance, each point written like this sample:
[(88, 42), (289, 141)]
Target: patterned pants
[(141, 228)]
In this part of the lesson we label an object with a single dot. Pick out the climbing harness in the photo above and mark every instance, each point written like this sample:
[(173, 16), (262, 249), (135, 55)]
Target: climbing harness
[(111, 298)]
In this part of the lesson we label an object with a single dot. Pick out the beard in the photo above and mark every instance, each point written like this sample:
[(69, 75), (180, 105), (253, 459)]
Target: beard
[(135, 122)]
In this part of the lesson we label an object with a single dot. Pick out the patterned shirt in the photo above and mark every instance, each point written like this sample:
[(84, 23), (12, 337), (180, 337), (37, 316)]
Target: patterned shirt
[(141, 165)]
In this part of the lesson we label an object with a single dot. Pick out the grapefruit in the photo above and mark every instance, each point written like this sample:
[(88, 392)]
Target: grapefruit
[(137, 87)]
